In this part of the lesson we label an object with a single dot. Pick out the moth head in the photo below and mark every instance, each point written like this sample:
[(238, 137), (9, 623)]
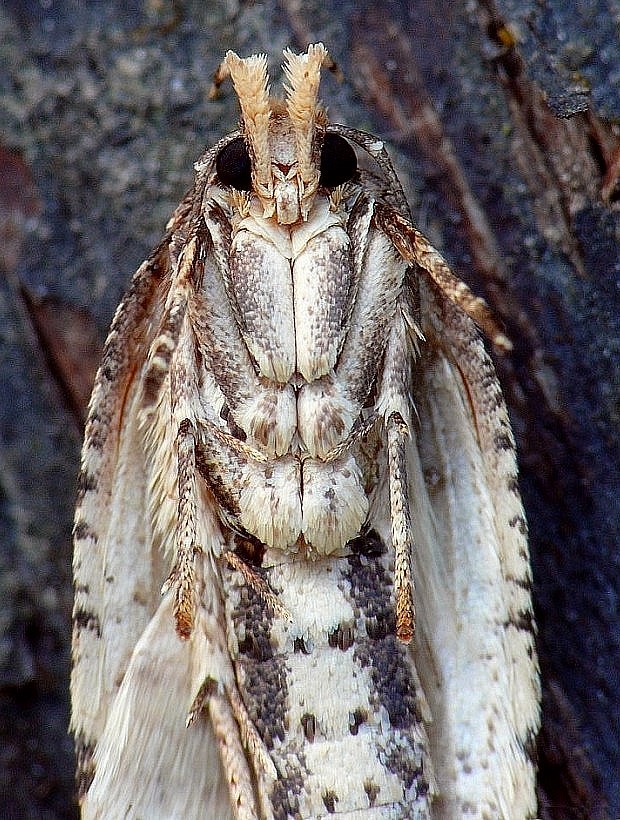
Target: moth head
[(285, 153)]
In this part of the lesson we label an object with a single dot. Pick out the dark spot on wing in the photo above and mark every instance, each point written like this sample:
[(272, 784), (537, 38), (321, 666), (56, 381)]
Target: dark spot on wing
[(523, 621), (86, 483), (308, 723), (330, 799), (369, 544), (83, 619), (82, 531), (356, 719), (299, 645), (520, 523), (85, 772), (341, 637), (372, 790), (503, 441)]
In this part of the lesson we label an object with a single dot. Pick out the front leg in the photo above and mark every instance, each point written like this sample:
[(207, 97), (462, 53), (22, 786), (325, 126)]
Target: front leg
[(182, 579)]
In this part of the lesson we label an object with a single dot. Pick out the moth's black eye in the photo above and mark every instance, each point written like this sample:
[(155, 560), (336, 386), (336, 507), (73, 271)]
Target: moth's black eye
[(233, 165), (338, 161)]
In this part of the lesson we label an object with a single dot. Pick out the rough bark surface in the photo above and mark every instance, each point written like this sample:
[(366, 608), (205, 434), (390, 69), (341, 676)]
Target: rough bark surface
[(503, 121)]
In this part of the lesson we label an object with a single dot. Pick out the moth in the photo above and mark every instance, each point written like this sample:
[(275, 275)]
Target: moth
[(294, 420)]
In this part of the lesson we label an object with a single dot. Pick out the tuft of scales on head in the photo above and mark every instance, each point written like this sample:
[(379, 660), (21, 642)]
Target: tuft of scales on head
[(281, 135)]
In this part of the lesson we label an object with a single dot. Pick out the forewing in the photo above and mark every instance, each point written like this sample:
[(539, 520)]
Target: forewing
[(149, 763), (117, 573), (475, 645)]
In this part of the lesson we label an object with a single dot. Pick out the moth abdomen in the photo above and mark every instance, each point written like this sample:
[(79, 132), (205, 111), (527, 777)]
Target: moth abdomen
[(326, 704)]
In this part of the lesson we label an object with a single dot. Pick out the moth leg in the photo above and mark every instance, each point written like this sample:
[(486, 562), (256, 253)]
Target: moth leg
[(220, 699), (234, 730), (240, 448), (236, 769), (264, 767), (182, 577), (402, 533), (258, 584), (250, 737), (172, 362), (358, 432), (165, 343), (414, 247)]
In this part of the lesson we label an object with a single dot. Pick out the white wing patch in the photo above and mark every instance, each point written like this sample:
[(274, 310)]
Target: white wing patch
[(474, 646), (146, 735)]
